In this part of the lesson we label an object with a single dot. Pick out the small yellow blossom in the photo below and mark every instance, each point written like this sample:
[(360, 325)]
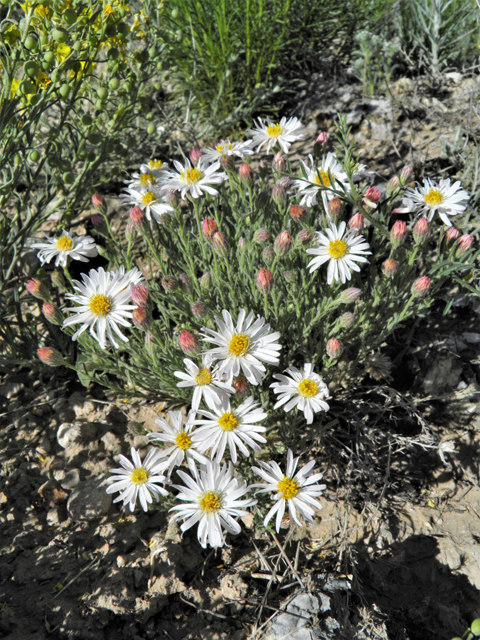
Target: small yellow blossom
[(61, 51)]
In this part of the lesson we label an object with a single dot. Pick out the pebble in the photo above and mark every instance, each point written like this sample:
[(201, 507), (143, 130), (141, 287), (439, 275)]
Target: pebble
[(306, 605), (44, 447), (89, 499), (11, 389), (70, 433)]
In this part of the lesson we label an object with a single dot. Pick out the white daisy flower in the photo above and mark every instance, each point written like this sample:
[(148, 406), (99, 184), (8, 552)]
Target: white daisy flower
[(243, 347), (104, 298), (179, 436), (445, 198), (208, 384), (148, 178), (194, 180), (81, 248), (305, 390), (341, 251), (149, 200), (233, 427), (321, 179), (284, 133), (138, 480), (227, 148), (212, 499), (298, 490)]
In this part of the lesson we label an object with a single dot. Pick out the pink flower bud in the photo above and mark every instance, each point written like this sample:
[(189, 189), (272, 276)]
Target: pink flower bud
[(242, 244), (464, 244), (194, 154), (392, 186), (334, 348), (227, 163), (347, 320), (349, 295), (142, 318), (137, 217), (245, 173), (199, 310), (279, 195), (52, 313), (320, 143), (188, 342), (452, 234), (38, 289), (290, 277), (356, 221), (58, 280), (305, 236), (390, 267), (205, 281), (297, 213), (264, 280), (140, 295), (268, 254), (284, 182), (50, 356), (335, 208), (279, 162), (421, 231), (98, 201), (421, 286), (220, 244), (173, 198), (98, 223), (398, 233), (405, 175), (209, 228), (241, 387), (170, 284), (373, 194), (185, 282), (282, 243), (261, 235)]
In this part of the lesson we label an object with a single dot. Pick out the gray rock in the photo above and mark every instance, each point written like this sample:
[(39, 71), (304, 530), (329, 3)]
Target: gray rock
[(89, 499), (306, 605), (454, 76), (71, 479), (11, 389), (44, 447), (70, 433)]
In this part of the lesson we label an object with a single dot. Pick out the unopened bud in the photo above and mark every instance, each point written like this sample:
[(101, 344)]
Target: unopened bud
[(320, 143), (220, 244), (50, 356), (209, 228), (263, 168), (279, 162), (392, 186), (58, 280), (170, 284), (398, 233), (279, 195), (335, 208), (205, 281), (188, 342), (227, 163), (241, 387), (356, 221), (305, 236), (130, 231), (421, 231), (421, 286), (98, 201), (199, 310), (334, 348), (98, 223), (264, 280), (142, 318), (38, 289), (268, 254), (464, 244), (245, 173), (290, 277), (282, 243), (373, 194), (137, 217), (297, 213), (390, 267), (194, 154), (452, 234), (173, 198), (185, 282), (405, 175), (52, 313), (284, 182), (242, 245), (140, 295), (349, 295), (261, 235), (347, 320)]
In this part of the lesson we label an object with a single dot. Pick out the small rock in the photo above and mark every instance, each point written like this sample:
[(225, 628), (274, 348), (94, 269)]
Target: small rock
[(70, 433), (120, 562), (3, 498), (11, 389), (89, 499), (473, 338), (454, 76), (71, 479), (112, 443), (53, 516), (306, 605), (44, 447)]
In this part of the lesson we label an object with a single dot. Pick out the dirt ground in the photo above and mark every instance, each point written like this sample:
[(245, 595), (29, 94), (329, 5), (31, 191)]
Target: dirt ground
[(395, 552)]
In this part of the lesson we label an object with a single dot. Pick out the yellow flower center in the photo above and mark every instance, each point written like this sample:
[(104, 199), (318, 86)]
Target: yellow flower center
[(226, 146), (183, 440), (210, 502), (274, 130), (308, 388), (288, 487), (228, 422), (100, 305), (139, 476), (238, 344), (146, 179), (148, 197), (203, 377), (325, 180), (434, 198), (64, 243), (337, 249), (155, 164), (192, 176)]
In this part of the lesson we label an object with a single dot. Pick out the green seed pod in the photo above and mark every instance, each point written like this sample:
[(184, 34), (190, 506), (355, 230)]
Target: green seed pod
[(151, 129), (99, 106), (68, 177), (31, 68), (64, 91), (34, 155), (55, 76), (59, 34), (86, 119), (5, 2), (77, 46), (174, 14), (34, 98), (94, 137), (152, 52), (121, 12), (160, 65), (119, 112), (49, 56), (69, 16), (113, 53), (114, 83), (102, 93), (17, 158), (111, 30), (43, 38), (475, 627), (92, 156), (30, 43), (157, 86), (27, 87), (149, 116)]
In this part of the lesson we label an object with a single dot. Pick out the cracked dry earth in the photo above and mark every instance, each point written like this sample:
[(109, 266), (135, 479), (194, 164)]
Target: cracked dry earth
[(399, 561)]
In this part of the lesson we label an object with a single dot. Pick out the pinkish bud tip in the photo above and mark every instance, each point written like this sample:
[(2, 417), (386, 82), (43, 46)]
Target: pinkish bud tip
[(389, 267), (170, 284), (421, 230), (264, 280), (37, 289), (421, 286), (50, 356), (282, 243), (356, 222), (209, 228), (335, 208), (297, 213), (52, 313), (140, 295), (98, 201), (245, 173), (398, 233), (464, 244), (347, 320), (334, 348), (220, 243), (194, 154), (349, 295), (137, 217), (452, 234), (261, 235), (241, 386), (305, 236), (279, 161), (188, 343), (199, 310)]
